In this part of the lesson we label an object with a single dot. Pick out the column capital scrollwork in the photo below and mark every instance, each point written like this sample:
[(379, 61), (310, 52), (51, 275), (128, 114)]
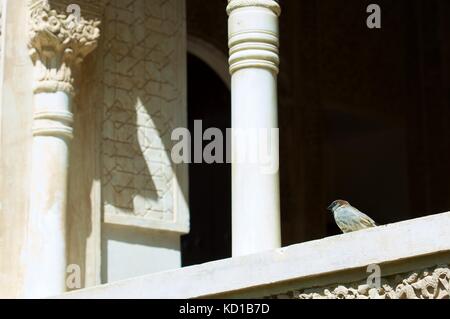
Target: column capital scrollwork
[(58, 43)]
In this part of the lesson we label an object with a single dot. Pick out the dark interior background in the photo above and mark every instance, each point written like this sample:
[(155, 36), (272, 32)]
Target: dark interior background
[(363, 114), (209, 184)]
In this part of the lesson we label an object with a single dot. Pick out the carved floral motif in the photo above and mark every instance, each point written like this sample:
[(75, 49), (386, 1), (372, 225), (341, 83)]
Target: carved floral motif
[(58, 43), (433, 283)]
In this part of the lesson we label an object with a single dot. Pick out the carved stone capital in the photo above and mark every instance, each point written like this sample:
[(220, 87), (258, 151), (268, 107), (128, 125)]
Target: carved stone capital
[(58, 43), (269, 4)]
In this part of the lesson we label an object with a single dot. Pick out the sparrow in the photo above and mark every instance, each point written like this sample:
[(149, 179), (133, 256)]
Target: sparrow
[(348, 218)]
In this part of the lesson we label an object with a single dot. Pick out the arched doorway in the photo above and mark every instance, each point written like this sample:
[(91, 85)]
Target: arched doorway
[(209, 184)]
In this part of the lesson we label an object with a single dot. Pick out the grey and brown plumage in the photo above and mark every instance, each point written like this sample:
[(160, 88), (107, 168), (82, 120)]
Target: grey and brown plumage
[(348, 218)]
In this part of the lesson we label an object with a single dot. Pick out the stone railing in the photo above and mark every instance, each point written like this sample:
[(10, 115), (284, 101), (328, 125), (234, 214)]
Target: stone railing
[(413, 258)]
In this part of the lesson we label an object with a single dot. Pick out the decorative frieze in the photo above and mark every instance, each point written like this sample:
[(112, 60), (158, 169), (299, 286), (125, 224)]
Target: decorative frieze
[(430, 283)]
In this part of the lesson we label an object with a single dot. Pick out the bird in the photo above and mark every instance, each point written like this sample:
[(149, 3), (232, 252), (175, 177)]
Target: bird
[(348, 218)]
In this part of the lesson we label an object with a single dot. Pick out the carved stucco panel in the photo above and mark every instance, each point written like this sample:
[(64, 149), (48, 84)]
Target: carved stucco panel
[(143, 76)]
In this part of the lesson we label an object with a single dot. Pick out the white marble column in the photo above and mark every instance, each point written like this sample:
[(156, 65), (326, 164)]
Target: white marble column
[(58, 44), (253, 41)]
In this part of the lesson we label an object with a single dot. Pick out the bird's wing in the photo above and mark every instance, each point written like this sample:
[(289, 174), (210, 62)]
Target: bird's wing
[(365, 220)]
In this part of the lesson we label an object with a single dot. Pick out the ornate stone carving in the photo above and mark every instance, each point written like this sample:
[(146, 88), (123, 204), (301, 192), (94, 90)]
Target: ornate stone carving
[(432, 283), (58, 43)]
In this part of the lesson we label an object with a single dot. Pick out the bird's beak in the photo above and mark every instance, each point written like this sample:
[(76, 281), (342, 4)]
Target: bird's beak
[(330, 207)]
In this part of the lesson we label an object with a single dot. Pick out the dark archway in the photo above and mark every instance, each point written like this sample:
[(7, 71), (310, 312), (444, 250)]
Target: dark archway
[(209, 184)]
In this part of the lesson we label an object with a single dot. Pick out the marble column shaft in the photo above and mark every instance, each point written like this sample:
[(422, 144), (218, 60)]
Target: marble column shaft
[(253, 42)]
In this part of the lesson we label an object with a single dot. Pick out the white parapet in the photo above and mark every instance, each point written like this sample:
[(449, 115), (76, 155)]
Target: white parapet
[(396, 248)]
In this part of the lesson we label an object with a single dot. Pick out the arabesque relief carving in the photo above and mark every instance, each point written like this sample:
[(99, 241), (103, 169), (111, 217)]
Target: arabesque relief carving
[(58, 43), (430, 283)]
